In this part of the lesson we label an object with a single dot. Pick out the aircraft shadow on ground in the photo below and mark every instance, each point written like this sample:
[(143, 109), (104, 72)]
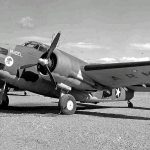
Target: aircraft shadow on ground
[(91, 106), (53, 110), (30, 110), (109, 115)]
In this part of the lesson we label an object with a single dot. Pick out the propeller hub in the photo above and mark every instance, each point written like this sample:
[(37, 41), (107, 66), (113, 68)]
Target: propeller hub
[(43, 62)]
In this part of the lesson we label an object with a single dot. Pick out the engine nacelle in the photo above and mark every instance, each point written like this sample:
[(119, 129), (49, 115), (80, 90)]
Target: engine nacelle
[(66, 69), (67, 65)]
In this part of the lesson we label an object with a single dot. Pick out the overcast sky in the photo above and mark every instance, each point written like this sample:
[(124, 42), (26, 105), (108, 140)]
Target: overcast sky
[(91, 29)]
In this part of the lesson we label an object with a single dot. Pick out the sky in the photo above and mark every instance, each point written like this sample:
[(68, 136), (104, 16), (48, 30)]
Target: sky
[(93, 30)]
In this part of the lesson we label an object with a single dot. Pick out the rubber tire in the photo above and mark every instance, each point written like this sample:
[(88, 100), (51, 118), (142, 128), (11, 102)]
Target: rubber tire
[(130, 105), (5, 103), (63, 101)]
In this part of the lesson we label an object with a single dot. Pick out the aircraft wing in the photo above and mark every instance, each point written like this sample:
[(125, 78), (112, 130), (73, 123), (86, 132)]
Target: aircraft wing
[(119, 74)]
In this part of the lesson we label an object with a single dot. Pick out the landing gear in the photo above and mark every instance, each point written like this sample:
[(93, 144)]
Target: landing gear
[(4, 100), (130, 105), (67, 104)]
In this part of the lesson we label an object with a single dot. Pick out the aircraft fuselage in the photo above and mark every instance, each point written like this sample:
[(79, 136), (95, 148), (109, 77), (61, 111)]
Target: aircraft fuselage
[(67, 70)]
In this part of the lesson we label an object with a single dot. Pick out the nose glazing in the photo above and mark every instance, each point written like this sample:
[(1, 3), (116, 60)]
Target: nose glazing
[(3, 51), (3, 54)]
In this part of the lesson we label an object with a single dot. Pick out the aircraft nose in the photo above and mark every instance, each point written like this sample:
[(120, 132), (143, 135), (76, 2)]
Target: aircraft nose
[(3, 54)]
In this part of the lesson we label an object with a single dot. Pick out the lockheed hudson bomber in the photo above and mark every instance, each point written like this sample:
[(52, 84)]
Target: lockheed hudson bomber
[(48, 71)]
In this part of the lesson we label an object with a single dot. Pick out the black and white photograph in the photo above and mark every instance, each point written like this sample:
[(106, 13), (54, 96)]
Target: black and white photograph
[(74, 74)]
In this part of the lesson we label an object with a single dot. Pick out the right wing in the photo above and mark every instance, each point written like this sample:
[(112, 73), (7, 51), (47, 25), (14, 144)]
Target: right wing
[(119, 74)]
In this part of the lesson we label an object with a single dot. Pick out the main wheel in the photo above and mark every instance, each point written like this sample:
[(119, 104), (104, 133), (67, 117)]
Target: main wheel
[(5, 102), (67, 104)]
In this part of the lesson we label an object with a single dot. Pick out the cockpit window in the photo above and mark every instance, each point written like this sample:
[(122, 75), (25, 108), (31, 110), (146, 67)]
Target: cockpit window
[(32, 45), (39, 46), (42, 48)]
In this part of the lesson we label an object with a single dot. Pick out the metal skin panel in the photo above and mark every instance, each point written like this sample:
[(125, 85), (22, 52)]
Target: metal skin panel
[(115, 65), (68, 70), (122, 95), (67, 64), (24, 55), (21, 56), (40, 86), (123, 75), (140, 88)]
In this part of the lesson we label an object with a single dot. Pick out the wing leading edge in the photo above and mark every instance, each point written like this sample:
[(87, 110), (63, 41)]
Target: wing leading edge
[(119, 74)]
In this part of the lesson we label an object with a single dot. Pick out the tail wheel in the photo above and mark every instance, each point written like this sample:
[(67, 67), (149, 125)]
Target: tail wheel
[(25, 93), (130, 105), (67, 104)]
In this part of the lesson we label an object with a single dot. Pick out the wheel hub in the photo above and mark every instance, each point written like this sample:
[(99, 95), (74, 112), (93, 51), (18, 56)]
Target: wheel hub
[(70, 105)]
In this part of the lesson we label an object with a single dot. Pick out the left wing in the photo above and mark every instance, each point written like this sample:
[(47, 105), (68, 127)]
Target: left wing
[(119, 74)]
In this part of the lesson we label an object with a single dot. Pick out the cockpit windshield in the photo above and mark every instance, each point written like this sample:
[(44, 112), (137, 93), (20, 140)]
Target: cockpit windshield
[(31, 44), (36, 45)]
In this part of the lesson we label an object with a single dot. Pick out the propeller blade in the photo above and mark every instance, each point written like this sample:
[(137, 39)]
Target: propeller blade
[(27, 66), (50, 75), (53, 45)]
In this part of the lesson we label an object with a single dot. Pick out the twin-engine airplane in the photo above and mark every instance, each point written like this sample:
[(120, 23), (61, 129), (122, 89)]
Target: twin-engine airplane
[(48, 71)]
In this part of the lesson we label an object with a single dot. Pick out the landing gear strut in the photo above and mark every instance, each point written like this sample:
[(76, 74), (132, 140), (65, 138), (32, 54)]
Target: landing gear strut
[(130, 105), (67, 104), (4, 100)]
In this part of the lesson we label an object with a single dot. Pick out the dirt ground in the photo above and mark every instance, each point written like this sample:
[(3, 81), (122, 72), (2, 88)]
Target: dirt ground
[(32, 122)]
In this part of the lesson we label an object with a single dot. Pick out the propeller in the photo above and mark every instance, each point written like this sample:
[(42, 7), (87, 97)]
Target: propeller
[(53, 45), (46, 62), (51, 76)]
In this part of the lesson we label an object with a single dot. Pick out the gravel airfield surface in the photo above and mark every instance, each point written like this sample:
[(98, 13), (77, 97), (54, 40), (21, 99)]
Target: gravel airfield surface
[(33, 122)]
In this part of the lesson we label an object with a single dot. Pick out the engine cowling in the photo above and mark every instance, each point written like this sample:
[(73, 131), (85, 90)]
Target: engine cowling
[(66, 69), (67, 64)]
